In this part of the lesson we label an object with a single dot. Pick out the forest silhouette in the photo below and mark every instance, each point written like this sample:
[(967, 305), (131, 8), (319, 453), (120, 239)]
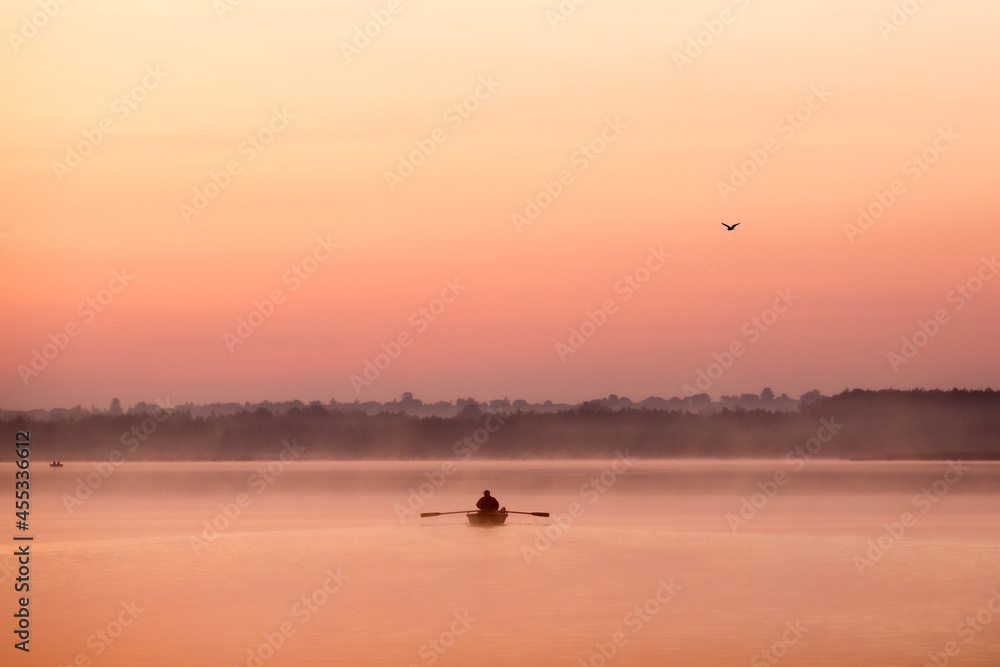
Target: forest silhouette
[(884, 424)]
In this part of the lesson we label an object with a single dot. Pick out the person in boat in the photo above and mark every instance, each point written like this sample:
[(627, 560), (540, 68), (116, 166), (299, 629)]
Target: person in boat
[(488, 503)]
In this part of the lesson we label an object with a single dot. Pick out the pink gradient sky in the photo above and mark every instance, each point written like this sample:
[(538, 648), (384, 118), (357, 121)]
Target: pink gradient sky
[(656, 185)]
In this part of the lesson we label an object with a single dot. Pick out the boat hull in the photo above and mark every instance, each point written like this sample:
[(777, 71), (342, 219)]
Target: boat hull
[(487, 518)]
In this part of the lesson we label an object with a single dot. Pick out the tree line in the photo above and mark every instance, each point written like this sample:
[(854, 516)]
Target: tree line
[(884, 424)]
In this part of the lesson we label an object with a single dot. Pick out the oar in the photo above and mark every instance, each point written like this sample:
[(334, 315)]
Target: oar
[(423, 514)]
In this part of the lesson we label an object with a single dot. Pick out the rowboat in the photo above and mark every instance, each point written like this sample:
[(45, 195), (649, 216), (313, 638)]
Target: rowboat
[(55, 464), (487, 518), (480, 518)]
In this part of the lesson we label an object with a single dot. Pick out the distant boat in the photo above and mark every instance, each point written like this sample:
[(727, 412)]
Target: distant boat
[(479, 518), (487, 518), (55, 464)]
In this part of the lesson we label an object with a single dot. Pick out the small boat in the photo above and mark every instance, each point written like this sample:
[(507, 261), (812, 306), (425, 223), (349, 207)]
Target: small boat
[(480, 518), (55, 464), (487, 518)]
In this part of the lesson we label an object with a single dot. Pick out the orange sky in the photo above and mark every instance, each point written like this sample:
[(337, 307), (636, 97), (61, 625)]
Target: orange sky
[(309, 127)]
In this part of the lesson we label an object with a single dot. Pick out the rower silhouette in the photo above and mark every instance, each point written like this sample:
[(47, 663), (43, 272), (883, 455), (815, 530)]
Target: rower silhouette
[(488, 503)]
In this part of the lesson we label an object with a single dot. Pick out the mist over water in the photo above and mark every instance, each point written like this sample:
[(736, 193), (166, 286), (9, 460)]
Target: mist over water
[(641, 563)]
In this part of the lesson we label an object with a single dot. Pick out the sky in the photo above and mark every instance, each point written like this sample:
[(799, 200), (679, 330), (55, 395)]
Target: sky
[(243, 201)]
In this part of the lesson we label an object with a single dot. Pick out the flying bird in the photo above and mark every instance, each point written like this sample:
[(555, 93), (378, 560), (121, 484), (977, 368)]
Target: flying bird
[(730, 227)]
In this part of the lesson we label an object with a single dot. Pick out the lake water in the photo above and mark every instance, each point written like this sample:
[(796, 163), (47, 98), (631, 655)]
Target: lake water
[(641, 563)]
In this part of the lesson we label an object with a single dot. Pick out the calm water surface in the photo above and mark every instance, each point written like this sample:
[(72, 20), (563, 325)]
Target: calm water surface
[(653, 564)]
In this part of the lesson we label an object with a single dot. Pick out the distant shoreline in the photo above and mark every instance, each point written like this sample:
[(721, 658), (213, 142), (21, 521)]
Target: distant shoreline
[(856, 425), (988, 457)]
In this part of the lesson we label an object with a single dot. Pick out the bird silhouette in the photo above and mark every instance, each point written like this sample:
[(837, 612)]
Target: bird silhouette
[(730, 227)]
